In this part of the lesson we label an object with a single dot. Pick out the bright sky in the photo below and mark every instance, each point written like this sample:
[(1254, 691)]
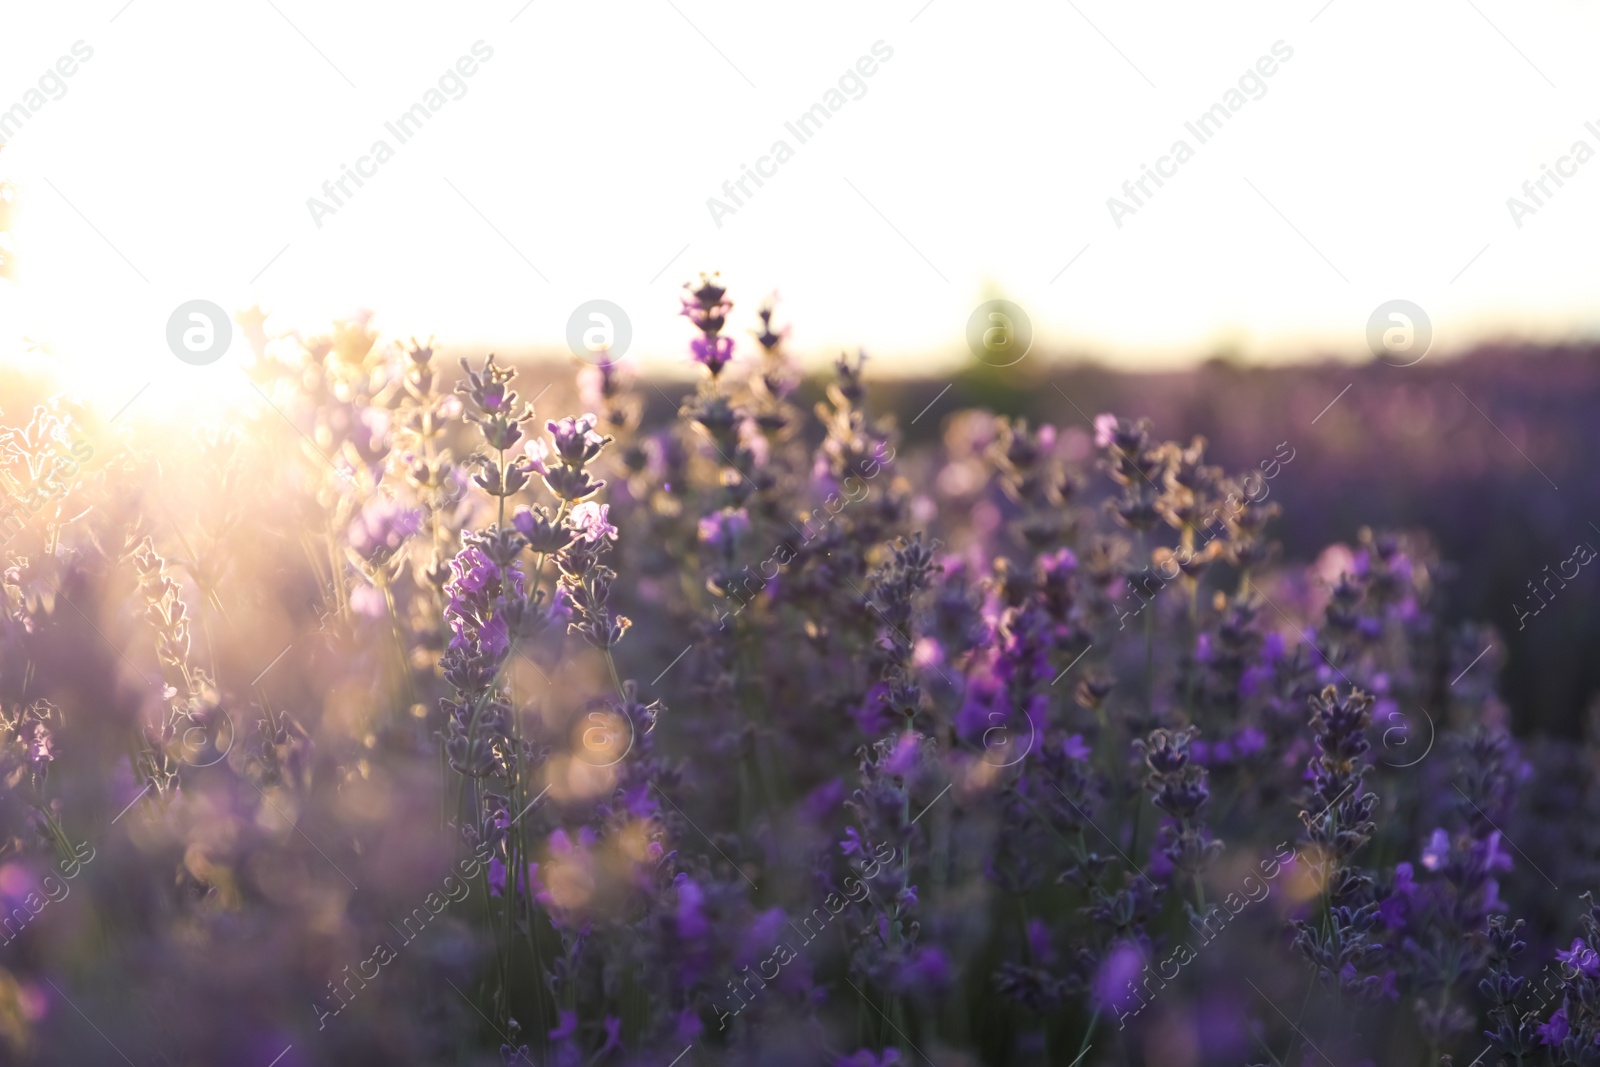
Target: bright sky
[(577, 162)]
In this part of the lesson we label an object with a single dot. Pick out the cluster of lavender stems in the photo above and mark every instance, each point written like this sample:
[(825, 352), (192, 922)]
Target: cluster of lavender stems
[(967, 738)]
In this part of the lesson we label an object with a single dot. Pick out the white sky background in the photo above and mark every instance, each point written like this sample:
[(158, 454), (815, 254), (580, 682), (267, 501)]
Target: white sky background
[(990, 141)]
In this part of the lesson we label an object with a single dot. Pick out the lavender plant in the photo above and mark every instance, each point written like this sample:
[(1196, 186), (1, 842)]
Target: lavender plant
[(408, 726)]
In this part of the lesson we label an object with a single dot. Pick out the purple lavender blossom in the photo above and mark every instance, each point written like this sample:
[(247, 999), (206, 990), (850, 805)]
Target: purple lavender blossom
[(381, 527), (589, 521), (575, 439), (713, 353), (1113, 981), (1580, 957), (723, 529)]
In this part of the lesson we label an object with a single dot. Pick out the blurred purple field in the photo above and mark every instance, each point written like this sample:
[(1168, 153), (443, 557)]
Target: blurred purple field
[(457, 713)]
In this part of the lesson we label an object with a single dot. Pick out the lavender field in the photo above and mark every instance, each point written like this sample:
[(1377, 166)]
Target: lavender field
[(443, 713)]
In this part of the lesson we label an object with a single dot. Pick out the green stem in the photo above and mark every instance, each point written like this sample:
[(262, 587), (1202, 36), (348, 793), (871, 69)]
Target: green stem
[(616, 679), (399, 641), (1149, 662), (1087, 1034), (488, 920)]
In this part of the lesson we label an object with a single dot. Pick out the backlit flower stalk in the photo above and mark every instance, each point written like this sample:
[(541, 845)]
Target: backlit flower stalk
[(1338, 822), (1438, 914), (423, 416), (1178, 786)]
